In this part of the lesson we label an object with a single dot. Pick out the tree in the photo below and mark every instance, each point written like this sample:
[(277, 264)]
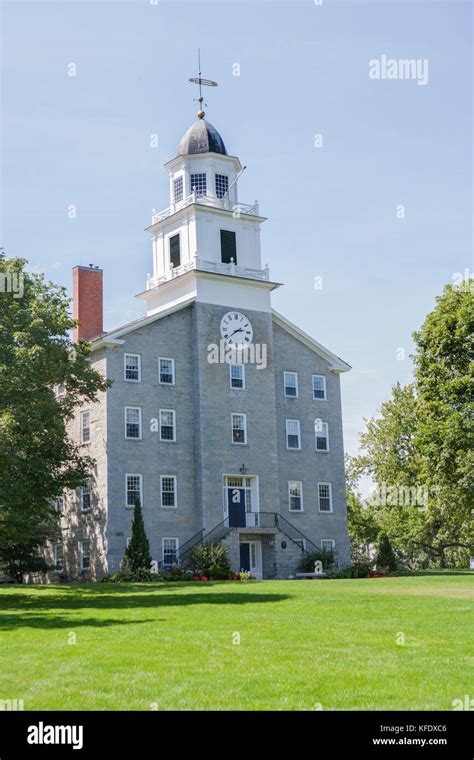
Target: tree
[(419, 448), (385, 558), (362, 527), (38, 460), (137, 554)]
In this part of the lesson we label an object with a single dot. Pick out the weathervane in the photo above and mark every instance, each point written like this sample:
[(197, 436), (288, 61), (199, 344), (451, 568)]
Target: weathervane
[(200, 81)]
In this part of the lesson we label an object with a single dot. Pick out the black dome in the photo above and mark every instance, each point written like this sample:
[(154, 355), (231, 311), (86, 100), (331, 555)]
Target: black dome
[(201, 137)]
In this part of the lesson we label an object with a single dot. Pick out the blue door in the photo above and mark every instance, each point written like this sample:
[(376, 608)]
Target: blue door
[(245, 556), (236, 505)]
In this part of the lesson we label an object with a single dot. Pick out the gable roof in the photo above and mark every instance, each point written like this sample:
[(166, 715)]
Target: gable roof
[(336, 363)]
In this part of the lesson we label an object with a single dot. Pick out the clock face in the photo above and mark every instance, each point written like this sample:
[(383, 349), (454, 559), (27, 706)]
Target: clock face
[(236, 329)]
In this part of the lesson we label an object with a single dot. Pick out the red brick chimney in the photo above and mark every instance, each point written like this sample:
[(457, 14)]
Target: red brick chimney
[(87, 302)]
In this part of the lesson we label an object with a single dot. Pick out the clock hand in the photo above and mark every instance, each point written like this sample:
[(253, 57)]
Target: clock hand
[(236, 331)]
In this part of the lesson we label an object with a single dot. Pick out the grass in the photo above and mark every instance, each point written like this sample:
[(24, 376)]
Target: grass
[(303, 645)]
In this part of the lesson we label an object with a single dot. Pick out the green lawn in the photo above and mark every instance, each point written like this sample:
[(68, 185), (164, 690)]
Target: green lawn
[(303, 644)]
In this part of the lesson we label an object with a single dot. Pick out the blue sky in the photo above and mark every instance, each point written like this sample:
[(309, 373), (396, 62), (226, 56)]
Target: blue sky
[(85, 140)]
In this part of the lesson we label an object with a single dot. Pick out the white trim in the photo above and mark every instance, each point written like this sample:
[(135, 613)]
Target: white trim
[(336, 363), (128, 379), (81, 498), (133, 475), (233, 387), (319, 432), (332, 540), (254, 490), (81, 427), (293, 448), (133, 437), (317, 398), (167, 440), (166, 359), (295, 511), (55, 557), (169, 538), (175, 491), (81, 553), (290, 372), (238, 414), (325, 511)]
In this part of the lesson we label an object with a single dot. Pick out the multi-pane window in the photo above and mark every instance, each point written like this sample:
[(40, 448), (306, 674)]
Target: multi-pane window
[(85, 497), (85, 427), (319, 387), (321, 433), (85, 554), (59, 504), (293, 440), (222, 185), (228, 247), (170, 551), (132, 367), (59, 390), (133, 422), (166, 371), (59, 556), (178, 189), (328, 544), (168, 491), (239, 428), (133, 489), (324, 497), (295, 495), (291, 384), (237, 375), (167, 425), (175, 250), (198, 184)]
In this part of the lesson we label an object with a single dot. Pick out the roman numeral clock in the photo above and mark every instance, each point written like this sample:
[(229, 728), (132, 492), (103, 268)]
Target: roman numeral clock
[(236, 329)]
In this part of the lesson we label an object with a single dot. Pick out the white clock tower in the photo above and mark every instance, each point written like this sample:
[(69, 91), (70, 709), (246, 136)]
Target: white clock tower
[(206, 244)]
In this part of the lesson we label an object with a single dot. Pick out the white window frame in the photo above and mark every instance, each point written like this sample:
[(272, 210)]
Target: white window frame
[(234, 387), (175, 491), (88, 490), (328, 540), (290, 372), (82, 553), (128, 379), (57, 508), (323, 378), (293, 448), (166, 359), (167, 440), (140, 427), (59, 390), (178, 178), (82, 427), (133, 475), (300, 483), (169, 538), (238, 414), (55, 557), (301, 543), (318, 433), (325, 511)]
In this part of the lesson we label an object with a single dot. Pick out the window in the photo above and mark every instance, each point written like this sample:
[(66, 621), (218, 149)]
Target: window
[(170, 551), (239, 428), (167, 425), (322, 435), (175, 251), (133, 422), (251, 492), (293, 434), (291, 384), (168, 491), (328, 544), (85, 427), (59, 390), (85, 554), (166, 371), (319, 387), (222, 185), (198, 184), (295, 495), (237, 375), (132, 368), (133, 489), (178, 189), (85, 497), (59, 556), (301, 543), (324, 497), (59, 504), (228, 247)]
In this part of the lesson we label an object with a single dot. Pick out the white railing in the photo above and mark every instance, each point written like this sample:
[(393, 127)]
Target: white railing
[(206, 200), (208, 266)]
